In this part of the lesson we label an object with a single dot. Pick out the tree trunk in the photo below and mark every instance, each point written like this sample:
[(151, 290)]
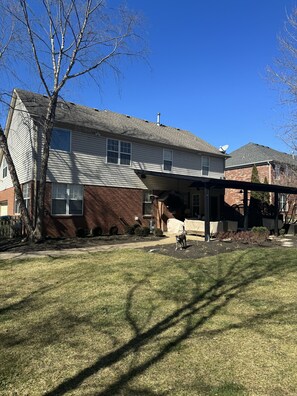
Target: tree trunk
[(46, 139)]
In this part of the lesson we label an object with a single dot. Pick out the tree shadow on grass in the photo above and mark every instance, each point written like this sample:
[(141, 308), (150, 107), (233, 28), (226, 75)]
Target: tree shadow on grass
[(210, 288)]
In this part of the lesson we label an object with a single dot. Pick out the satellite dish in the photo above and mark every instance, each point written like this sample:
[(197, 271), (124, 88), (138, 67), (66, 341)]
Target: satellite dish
[(224, 148)]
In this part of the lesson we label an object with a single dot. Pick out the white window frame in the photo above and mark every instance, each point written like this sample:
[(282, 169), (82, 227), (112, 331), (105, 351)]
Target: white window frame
[(119, 152), (26, 189), (70, 140), (147, 201), (4, 168), (165, 152), (283, 202), (67, 198), (205, 166)]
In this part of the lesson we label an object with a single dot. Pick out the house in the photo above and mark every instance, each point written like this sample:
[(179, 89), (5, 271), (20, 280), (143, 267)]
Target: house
[(107, 170), (276, 167)]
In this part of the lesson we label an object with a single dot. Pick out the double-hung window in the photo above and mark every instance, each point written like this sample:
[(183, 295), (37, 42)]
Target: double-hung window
[(205, 165), (118, 152), (4, 168), (283, 203), (147, 203), (61, 139), (27, 198), (167, 160), (67, 199)]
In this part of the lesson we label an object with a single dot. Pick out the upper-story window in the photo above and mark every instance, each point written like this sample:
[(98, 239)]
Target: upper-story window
[(167, 160), (4, 168), (61, 139), (205, 165), (118, 152)]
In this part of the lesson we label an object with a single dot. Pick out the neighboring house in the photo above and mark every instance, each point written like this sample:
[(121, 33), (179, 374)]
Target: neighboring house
[(277, 167), (106, 169)]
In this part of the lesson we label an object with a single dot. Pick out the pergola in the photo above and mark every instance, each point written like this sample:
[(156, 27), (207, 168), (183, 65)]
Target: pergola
[(208, 183)]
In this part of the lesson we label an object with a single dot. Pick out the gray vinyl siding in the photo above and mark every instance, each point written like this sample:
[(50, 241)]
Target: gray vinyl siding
[(86, 163), (20, 142)]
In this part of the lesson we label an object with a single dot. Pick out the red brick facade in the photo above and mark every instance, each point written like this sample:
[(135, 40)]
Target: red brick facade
[(285, 177), (235, 197), (105, 207), (8, 196)]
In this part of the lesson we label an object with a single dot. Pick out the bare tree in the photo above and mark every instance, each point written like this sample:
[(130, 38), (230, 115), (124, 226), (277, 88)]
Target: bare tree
[(284, 74), (68, 39)]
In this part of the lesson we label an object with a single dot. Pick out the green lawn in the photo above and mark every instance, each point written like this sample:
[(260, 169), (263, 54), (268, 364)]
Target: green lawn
[(135, 323)]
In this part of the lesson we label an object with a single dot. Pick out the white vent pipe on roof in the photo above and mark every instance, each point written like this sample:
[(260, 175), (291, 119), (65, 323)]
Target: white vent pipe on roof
[(158, 119)]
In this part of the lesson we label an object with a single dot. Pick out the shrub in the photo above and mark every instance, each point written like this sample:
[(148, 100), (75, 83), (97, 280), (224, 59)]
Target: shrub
[(113, 230), (97, 231), (80, 233), (282, 232), (260, 234), (256, 235), (142, 231), (158, 232), (130, 229)]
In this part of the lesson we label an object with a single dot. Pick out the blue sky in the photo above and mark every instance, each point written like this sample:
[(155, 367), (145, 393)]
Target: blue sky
[(207, 71), (208, 63)]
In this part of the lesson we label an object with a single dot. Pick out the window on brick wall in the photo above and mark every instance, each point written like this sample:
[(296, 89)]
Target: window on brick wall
[(283, 203), (67, 199), (27, 198), (147, 203)]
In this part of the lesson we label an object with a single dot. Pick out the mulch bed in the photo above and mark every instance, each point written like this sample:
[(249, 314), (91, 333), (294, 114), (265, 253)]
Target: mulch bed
[(199, 249), (195, 249)]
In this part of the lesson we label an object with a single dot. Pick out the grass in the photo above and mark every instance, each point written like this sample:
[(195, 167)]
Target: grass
[(135, 323)]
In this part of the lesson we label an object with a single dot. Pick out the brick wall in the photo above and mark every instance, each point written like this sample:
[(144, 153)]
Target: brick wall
[(234, 197), (103, 206), (8, 195)]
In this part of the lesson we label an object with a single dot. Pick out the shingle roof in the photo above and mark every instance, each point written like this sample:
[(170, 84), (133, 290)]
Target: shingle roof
[(119, 124), (253, 153)]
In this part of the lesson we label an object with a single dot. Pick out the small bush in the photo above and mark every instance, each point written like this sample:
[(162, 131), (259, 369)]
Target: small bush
[(113, 230), (130, 229), (142, 231), (97, 231), (158, 232), (282, 232), (80, 233), (256, 235), (261, 234)]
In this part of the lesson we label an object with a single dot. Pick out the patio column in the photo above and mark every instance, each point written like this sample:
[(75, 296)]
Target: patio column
[(245, 210), (276, 213), (207, 213)]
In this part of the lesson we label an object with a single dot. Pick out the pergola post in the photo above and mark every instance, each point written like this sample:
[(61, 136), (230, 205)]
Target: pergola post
[(245, 210), (276, 213), (206, 213)]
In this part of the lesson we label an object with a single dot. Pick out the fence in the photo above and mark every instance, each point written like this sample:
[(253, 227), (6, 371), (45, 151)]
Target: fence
[(10, 227)]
